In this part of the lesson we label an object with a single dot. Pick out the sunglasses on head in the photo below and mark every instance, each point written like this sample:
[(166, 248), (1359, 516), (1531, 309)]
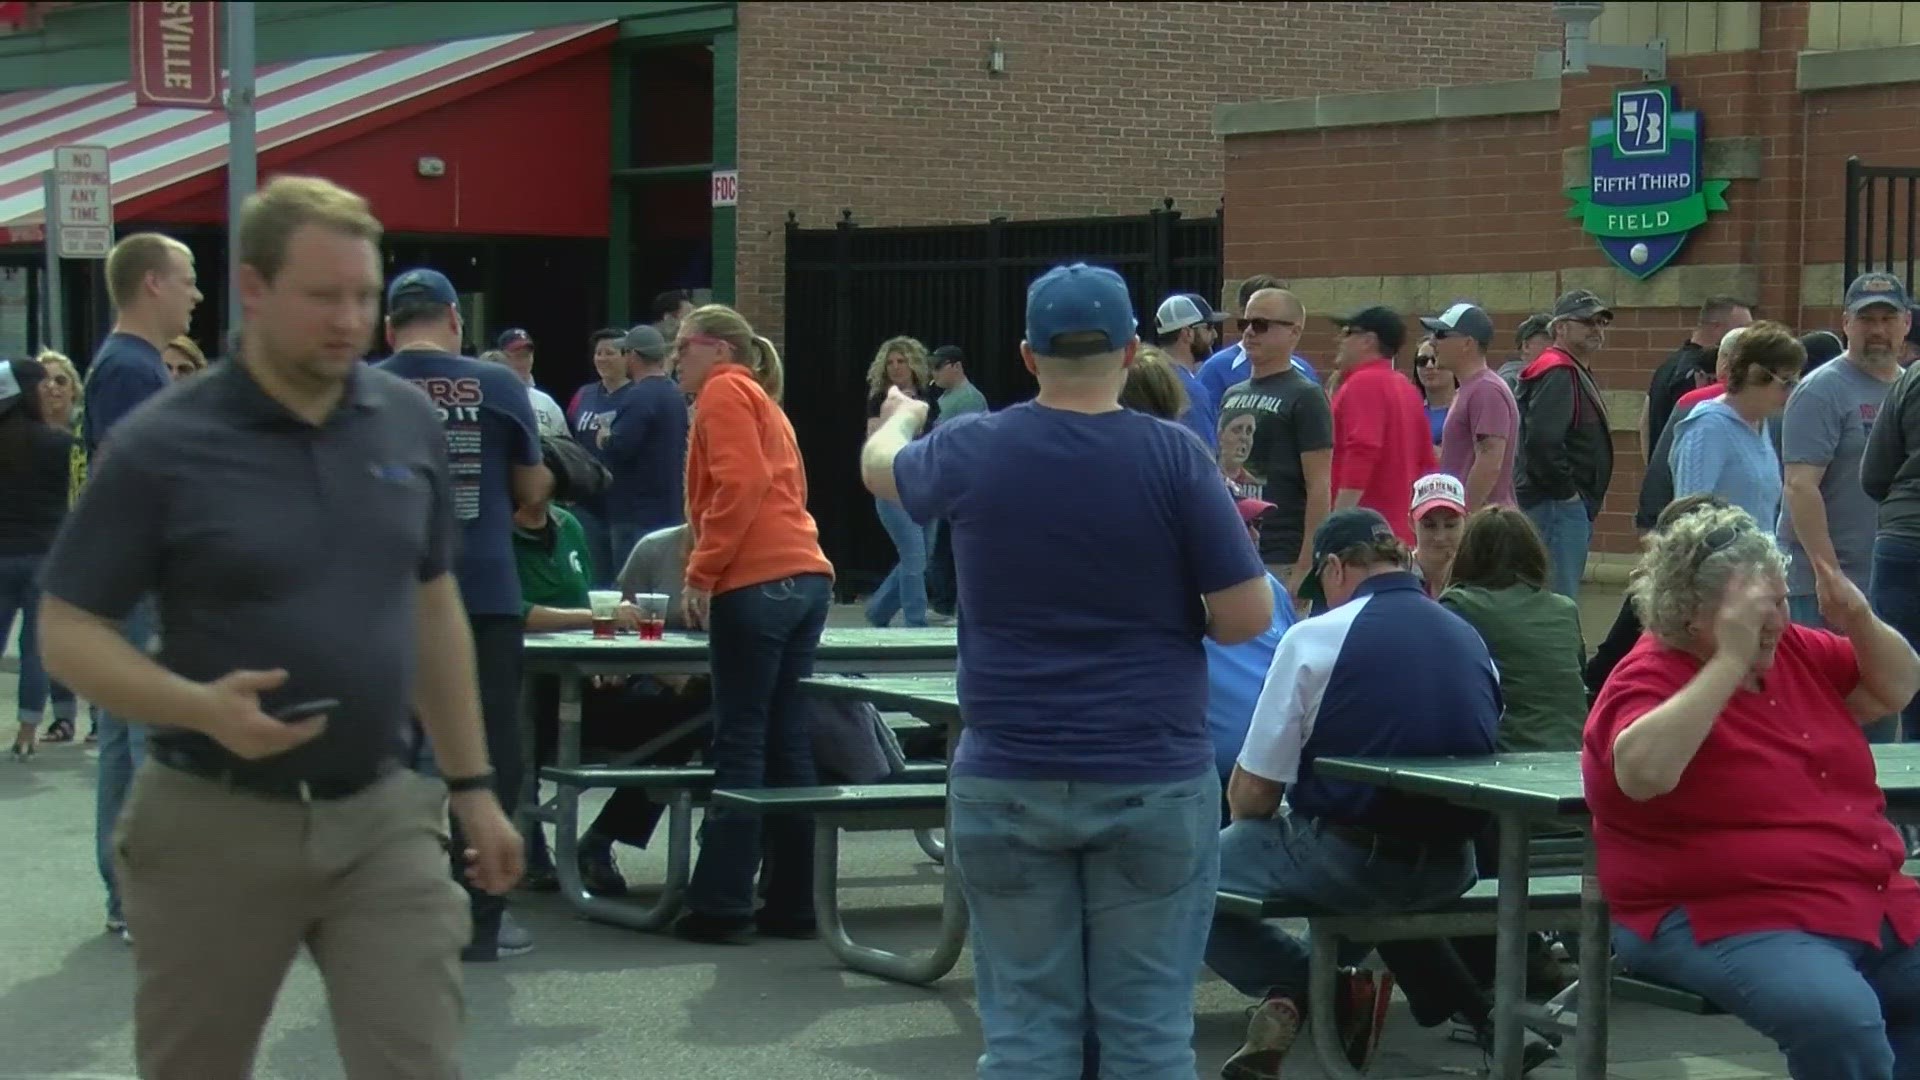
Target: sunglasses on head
[(1716, 541), (1261, 326)]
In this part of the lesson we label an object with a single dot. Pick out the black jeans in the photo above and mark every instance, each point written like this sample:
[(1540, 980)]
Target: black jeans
[(497, 645), (943, 593), (761, 641)]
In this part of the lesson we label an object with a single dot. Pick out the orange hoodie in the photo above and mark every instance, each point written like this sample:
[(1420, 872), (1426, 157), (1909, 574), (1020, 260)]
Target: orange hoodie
[(746, 489)]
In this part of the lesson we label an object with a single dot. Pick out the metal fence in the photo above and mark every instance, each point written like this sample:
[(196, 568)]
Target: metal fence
[(1881, 221), (850, 287)]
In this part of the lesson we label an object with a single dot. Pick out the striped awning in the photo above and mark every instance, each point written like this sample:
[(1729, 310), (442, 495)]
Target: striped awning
[(153, 149)]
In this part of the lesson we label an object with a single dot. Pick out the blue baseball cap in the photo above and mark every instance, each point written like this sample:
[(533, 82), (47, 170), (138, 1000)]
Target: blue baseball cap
[(1877, 287), (515, 338), (1076, 300), (422, 284)]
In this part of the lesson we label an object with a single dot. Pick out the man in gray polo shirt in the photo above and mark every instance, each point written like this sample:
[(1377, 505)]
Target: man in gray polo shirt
[(291, 511)]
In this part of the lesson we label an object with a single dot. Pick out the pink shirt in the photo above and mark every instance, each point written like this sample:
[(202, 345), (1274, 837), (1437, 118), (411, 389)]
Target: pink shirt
[(1483, 407)]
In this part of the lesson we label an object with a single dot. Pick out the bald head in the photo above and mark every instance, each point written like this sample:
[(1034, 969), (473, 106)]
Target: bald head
[(1270, 330)]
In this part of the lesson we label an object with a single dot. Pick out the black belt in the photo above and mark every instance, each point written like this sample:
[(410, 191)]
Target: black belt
[(277, 788), (1385, 843)]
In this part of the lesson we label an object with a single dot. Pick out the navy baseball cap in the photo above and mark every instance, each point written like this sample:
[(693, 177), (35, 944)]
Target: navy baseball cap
[(1877, 287), (422, 284), (513, 339), (1208, 315), (1074, 300), (1338, 531)]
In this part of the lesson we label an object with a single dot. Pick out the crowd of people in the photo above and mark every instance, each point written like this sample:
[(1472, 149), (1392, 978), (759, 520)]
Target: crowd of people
[(295, 587)]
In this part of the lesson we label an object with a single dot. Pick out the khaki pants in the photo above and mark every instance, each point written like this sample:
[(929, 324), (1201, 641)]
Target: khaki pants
[(222, 888)]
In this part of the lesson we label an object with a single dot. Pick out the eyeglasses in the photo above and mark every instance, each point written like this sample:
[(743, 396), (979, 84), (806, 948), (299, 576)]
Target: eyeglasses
[(1261, 326), (1787, 382), (1442, 335)]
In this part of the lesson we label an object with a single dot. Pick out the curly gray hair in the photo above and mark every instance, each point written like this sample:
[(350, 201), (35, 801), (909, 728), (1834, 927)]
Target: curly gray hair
[(1687, 565)]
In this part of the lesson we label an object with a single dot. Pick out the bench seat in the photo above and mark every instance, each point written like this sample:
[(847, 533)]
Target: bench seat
[(1561, 893), (856, 807), (694, 778)]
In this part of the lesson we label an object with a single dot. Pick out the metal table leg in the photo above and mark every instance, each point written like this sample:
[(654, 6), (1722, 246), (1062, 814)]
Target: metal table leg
[(1323, 1020), (933, 842), (919, 970), (566, 846), (1510, 949), (1596, 976)]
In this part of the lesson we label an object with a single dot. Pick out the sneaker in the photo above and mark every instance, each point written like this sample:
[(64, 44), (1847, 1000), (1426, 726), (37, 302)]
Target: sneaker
[(510, 940), (601, 874), (1271, 1028), (1361, 1001), (1535, 1050), (936, 618)]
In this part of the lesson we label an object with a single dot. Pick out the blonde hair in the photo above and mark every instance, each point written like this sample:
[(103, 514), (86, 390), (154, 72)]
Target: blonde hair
[(1686, 567), (188, 348), (136, 256), (1153, 387), (916, 355), (722, 323), (270, 217)]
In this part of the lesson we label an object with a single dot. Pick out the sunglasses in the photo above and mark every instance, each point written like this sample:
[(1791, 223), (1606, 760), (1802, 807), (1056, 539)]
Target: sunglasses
[(1425, 360), (1261, 326), (1717, 541)]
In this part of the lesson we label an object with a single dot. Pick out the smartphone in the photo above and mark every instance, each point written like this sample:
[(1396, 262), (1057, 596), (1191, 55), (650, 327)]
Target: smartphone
[(306, 710)]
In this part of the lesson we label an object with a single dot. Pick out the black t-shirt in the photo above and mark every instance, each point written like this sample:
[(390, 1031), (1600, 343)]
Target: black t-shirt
[(1290, 417), (1685, 368), (34, 459)]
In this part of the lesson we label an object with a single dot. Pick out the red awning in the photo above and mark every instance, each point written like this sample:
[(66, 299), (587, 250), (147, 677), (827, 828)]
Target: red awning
[(305, 104)]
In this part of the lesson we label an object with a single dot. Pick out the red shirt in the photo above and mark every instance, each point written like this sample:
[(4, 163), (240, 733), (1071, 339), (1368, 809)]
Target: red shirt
[(1778, 822), (1694, 397), (1382, 441)]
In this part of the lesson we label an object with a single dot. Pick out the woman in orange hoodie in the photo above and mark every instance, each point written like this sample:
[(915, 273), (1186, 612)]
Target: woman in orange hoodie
[(759, 583)]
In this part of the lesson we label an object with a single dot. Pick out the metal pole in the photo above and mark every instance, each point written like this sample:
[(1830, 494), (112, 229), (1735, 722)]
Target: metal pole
[(242, 161), (53, 330)]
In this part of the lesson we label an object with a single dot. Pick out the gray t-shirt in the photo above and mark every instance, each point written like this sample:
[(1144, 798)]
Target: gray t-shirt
[(658, 564), (1827, 422), (1290, 417)]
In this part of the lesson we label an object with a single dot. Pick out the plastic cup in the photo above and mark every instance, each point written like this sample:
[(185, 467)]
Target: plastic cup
[(604, 605), (653, 615)]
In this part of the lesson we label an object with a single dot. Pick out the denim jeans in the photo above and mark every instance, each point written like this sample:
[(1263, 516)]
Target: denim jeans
[(904, 592), (761, 640), (20, 595), (1299, 859), (1089, 905), (599, 546), (1895, 595), (122, 745), (1839, 1009), (1568, 533)]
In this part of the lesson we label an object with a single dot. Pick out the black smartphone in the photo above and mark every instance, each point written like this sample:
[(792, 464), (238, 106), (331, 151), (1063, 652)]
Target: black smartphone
[(306, 710)]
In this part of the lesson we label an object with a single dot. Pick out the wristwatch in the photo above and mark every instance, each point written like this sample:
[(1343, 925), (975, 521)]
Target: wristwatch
[(477, 782)]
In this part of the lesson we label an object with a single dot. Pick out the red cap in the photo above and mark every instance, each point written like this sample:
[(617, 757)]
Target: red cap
[(1252, 508)]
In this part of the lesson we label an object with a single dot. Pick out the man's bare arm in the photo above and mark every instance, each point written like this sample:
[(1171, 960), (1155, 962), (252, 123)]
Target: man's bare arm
[(1316, 471), (446, 695), (1809, 511), (1489, 453), (1252, 798), (90, 655)]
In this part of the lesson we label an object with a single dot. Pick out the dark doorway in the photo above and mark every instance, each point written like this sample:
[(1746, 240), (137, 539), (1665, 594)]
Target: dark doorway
[(668, 185)]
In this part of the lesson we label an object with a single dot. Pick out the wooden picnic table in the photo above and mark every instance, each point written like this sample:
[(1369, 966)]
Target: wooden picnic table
[(1546, 787), (576, 656)]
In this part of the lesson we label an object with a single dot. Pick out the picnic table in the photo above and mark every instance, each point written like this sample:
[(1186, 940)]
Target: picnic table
[(576, 656), (935, 699), (1522, 790)]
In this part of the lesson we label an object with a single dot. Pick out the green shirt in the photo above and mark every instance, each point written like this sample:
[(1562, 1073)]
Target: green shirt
[(961, 400), (553, 563), (1534, 636)]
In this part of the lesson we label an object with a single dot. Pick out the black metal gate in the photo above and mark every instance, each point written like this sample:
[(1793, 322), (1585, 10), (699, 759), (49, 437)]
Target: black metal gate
[(850, 288), (1881, 221)]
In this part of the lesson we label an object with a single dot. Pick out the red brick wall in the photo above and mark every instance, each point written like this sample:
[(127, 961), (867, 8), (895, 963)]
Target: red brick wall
[(887, 108)]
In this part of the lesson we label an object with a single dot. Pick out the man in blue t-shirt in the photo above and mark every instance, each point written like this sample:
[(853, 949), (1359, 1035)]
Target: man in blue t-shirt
[(1184, 334), (1386, 672), (1096, 547), (151, 281), (1230, 367), (494, 458), (644, 446)]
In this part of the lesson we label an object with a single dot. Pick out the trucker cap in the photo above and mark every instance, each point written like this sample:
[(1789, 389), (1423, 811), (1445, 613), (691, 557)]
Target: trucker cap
[(1462, 318), (1438, 490), (1177, 312)]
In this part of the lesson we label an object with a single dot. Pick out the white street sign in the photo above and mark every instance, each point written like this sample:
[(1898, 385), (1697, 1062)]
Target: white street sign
[(726, 187), (83, 198)]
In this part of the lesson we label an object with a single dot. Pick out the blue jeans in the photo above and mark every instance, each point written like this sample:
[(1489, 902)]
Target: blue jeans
[(20, 594), (599, 547), (1568, 533), (1300, 860), (1089, 905), (1839, 1009), (122, 745), (905, 589), (1895, 595), (760, 642)]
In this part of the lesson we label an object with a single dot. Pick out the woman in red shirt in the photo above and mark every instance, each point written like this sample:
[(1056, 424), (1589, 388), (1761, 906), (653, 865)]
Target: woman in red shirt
[(758, 582), (1742, 838)]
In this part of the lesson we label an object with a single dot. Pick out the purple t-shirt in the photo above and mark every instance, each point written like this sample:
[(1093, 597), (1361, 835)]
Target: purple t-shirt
[(1484, 407)]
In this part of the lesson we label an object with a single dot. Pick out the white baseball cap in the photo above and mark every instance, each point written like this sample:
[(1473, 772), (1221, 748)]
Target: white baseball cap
[(1436, 490)]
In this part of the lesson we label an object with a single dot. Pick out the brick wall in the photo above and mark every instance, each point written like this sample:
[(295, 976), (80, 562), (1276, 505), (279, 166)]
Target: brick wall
[(888, 109)]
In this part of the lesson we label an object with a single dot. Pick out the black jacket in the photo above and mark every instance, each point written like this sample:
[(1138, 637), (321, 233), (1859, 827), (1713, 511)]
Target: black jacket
[(1566, 448), (1890, 468)]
